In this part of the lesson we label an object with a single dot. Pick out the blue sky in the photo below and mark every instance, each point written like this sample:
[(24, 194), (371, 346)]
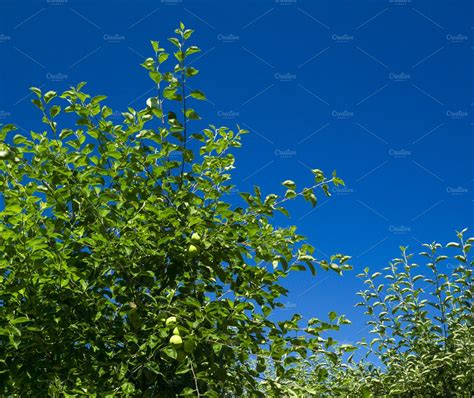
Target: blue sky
[(382, 91)]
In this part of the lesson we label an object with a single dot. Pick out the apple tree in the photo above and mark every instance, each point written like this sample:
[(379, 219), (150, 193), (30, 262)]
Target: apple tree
[(127, 265), (420, 310)]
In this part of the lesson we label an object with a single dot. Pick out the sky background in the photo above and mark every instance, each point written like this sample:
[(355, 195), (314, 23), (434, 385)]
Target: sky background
[(380, 90)]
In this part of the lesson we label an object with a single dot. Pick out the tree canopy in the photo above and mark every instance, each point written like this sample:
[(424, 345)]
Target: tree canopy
[(420, 317), (125, 267)]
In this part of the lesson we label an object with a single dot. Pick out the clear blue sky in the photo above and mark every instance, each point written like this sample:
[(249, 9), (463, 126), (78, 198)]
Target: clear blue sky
[(382, 91)]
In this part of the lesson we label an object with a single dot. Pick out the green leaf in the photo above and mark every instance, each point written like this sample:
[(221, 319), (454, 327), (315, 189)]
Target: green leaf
[(289, 184), (162, 57), (309, 195), (155, 76), (106, 111), (37, 91), (21, 319), (65, 133), (190, 71), (319, 175), (188, 33), (19, 139), (192, 50), (179, 55), (49, 96), (175, 42), (325, 188), (155, 45), (8, 127), (197, 94), (149, 64), (170, 93), (54, 110), (98, 98), (38, 103), (192, 115)]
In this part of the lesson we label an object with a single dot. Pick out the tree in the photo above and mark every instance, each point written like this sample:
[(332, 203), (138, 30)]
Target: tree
[(421, 319), (125, 268)]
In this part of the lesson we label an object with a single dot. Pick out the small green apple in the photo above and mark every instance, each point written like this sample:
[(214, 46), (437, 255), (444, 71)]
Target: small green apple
[(177, 341), (176, 331), (193, 249), (170, 322), (195, 237)]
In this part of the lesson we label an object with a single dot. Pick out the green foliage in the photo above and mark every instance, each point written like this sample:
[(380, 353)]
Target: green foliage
[(421, 319), (124, 268)]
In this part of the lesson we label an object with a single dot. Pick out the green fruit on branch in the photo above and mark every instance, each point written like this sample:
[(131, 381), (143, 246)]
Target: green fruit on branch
[(170, 322), (196, 237), (193, 249), (176, 331), (176, 341)]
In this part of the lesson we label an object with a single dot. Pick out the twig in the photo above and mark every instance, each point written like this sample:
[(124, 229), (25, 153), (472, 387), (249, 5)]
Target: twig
[(195, 381)]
